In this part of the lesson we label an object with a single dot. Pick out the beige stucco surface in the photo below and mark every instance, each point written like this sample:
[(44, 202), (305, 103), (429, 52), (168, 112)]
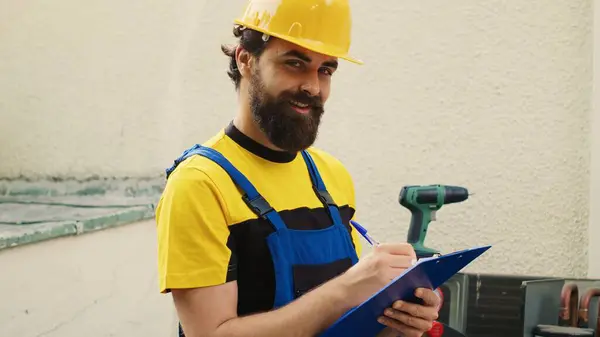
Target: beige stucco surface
[(493, 95), (594, 224)]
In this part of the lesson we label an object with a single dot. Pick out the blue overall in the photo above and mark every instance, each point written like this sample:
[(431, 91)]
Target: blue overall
[(302, 259)]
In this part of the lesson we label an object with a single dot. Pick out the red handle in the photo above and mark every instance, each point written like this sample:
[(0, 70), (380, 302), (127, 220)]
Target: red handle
[(437, 330)]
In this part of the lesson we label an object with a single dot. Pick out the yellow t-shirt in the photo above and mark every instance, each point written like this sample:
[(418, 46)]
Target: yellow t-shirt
[(207, 235)]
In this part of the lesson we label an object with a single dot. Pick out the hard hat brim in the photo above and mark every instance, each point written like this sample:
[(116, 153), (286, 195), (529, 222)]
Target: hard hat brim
[(310, 45)]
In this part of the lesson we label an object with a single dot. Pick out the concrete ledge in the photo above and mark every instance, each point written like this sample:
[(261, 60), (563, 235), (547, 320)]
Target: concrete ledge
[(18, 235), (127, 187), (32, 212)]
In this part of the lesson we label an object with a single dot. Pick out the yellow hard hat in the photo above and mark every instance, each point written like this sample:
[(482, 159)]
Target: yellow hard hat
[(323, 26)]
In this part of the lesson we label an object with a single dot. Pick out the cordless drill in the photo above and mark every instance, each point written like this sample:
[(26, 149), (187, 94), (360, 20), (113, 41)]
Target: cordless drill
[(423, 202)]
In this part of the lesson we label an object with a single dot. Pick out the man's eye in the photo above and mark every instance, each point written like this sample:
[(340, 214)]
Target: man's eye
[(295, 64), (327, 71)]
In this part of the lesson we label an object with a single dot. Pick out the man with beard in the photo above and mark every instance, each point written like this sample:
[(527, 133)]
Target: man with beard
[(254, 234)]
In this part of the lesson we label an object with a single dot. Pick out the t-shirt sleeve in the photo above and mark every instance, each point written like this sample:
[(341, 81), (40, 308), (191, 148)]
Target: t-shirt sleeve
[(194, 246)]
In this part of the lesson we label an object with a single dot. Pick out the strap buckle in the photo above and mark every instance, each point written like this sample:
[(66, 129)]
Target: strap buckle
[(324, 196), (258, 205)]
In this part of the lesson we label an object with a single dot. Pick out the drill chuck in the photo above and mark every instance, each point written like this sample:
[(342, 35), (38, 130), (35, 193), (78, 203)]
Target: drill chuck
[(455, 194)]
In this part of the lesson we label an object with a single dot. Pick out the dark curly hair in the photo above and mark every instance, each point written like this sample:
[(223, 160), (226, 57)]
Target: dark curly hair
[(250, 40)]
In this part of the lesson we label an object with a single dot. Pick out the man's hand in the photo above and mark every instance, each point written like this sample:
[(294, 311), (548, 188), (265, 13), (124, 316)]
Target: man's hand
[(409, 319), (372, 272)]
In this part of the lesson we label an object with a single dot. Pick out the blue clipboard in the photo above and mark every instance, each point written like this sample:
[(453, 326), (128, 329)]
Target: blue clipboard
[(426, 273)]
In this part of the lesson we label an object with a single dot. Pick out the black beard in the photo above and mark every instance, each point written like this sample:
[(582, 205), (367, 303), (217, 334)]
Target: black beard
[(284, 127)]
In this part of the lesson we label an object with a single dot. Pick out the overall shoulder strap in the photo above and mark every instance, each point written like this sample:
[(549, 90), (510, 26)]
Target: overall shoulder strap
[(321, 190), (251, 197), (185, 155)]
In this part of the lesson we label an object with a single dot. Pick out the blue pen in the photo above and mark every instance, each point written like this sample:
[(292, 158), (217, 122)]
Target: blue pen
[(363, 232), (373, 242)]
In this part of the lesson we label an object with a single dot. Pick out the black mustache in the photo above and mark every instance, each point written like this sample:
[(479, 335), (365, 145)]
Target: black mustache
[(304, 98)]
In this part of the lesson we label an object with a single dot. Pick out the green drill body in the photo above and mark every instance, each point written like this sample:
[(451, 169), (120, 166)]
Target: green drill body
[(423, 202)]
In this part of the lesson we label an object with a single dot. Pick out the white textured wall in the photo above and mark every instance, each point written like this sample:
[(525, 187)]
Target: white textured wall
[(492, 95), (594, 224)]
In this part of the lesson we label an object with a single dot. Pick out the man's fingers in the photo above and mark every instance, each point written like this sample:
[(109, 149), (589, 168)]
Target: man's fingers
[(428, 313), (397, 249), (403, 329), (399, 261), (429, 297), (408, 320)]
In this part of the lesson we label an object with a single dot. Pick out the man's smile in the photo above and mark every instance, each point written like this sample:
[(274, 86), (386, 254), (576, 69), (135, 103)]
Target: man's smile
[(302, 108)]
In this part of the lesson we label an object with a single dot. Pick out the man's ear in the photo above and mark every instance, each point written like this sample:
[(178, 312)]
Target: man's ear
[(244, 61)]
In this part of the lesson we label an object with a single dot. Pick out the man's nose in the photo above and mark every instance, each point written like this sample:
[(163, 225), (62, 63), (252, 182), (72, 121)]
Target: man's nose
[(311, 85)]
